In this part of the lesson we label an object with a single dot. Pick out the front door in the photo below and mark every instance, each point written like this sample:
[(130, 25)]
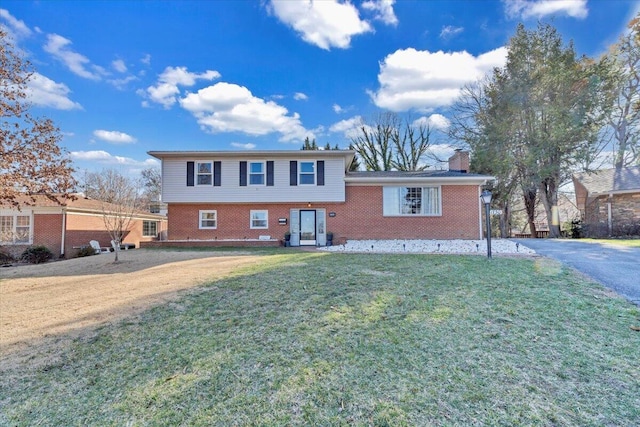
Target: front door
[(307, 227)]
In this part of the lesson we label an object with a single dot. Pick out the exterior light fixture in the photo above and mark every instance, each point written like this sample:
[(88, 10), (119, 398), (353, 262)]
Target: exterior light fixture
[(486, 199)]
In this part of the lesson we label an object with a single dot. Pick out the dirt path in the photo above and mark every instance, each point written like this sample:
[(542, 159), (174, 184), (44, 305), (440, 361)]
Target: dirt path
[(42, 307)]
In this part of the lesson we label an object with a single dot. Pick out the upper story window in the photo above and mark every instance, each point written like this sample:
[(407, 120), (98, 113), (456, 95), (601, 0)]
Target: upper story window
[(411, 201), (208, 219), (204, 173), (307, 173), (15, 229), (256, 173)]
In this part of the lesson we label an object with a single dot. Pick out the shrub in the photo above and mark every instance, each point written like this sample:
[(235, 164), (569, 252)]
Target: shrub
[(85, 251), (36, 254), (6, 258)]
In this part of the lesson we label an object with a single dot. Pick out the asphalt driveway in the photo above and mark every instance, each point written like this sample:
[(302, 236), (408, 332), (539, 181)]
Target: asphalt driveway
[(616, 267)]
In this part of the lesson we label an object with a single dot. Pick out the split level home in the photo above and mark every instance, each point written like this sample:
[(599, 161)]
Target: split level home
[(67, 226), (263, 195), (609, 201)]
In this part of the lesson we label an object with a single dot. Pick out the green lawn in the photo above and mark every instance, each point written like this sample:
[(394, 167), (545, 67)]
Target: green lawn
[(316, 339)]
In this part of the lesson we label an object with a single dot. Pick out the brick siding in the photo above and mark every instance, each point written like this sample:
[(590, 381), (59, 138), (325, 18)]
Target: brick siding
[(359, 218), (625, 214)]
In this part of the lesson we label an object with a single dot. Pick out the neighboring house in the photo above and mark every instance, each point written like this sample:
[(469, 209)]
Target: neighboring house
[(65, 228), (223, 195), (609, 201)]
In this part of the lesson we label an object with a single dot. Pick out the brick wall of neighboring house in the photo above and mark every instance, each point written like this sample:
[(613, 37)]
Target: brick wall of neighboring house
[(81, 228), (47, 231), (625, 215), (359, 218)]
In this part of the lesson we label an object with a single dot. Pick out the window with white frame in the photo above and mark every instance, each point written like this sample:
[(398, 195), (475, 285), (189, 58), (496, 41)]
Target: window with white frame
[(307, 173), (411, 201), (259, 219), (149, 228), (208, 219), (204, 173), (256, 173), (15, 229)]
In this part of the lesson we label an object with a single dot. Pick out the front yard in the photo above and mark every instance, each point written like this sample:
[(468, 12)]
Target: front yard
[(307, 338)]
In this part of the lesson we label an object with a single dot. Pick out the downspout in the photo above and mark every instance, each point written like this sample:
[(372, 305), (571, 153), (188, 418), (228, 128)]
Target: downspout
[(64, 231), (609, 215), (480, 212)]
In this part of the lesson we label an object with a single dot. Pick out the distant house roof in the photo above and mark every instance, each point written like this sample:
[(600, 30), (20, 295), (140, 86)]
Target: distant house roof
[(607, 181), (79, 203)]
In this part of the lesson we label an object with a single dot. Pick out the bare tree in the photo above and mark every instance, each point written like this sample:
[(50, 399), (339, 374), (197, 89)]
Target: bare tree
[(31, 162), (120, 199), (624, 119), (392, 144)]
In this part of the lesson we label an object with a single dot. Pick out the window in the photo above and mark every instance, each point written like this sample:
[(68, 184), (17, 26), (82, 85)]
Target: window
[(256, 173), (204, 173), (149, 228), (15, 229), (307, 173), (208, 219), (259, 219), (411, 201)]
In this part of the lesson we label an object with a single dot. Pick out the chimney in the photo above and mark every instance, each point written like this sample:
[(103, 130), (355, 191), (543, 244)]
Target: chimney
[(459, 162)]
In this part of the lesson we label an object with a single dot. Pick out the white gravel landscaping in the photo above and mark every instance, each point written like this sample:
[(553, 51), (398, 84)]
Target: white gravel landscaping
[(498, 246)]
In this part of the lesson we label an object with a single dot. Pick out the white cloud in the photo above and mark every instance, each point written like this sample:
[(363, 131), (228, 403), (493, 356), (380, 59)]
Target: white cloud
[(166, 90), (114, 136), (434, 121), (299, 96), (45, 92), (247, 146), (119, 66), (423, 80), (325, 24), (337, 109), (524, 9), (450, 31), (121, 83), (146, 60), (383, 9), (16, 27), (105, 158), (58, 46), (226, 107), (349, 127)]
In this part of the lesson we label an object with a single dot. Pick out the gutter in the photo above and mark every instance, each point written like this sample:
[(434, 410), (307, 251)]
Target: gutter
[(458, 180), (64, 231)]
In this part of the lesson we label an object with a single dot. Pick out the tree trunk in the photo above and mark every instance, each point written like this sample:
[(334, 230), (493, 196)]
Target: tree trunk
[(505, 229), (529, 196), (549, 198)]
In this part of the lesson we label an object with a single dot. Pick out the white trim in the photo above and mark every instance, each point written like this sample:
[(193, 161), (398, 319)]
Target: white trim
[(479, 213), (14, 214), (200, 227), (195, 172), (314, 173), (439, 214), (64, 230)]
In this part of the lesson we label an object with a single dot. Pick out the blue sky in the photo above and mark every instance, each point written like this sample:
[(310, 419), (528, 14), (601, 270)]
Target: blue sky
[(123, 78)]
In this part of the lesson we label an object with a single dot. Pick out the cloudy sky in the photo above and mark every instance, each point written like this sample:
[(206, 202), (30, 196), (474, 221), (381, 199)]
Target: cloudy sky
[(123, 78)]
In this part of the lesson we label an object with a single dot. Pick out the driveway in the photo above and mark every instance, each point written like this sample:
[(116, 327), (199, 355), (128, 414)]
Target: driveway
[(616, 267)]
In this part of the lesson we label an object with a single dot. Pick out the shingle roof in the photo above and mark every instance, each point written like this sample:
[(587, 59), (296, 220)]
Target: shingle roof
[(79, 203), (409, 174), (610, 180)]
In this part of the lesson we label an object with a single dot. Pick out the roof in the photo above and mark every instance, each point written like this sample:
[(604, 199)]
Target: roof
[(80, 203), (606, 181), (417, 176), (254, 153)]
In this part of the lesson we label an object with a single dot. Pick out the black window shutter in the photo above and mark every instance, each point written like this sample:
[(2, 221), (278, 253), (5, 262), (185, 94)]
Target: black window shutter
[(190, 172), (270, 173), (217, 174), (293, 172), (243, 174), (320, 178)]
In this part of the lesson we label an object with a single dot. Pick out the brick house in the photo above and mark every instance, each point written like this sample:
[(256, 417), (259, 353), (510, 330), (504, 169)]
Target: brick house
[(609, 201), (261, 195), (64, 228)]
